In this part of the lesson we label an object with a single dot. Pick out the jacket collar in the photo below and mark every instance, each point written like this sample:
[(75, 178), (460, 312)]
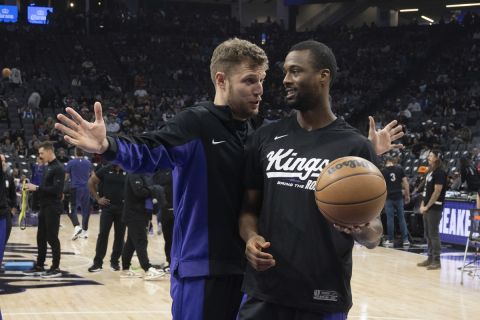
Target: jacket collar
[(224, 113)]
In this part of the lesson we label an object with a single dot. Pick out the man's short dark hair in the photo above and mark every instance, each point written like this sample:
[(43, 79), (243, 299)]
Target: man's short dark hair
[(47, 145), (322, 56), (78, 152)]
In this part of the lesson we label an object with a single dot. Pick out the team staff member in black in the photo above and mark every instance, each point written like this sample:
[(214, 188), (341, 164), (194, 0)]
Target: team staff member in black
[(50, 197), (396, 182), (204, 146), (431, 208), (110, 198), (300, 265), (138, 197)]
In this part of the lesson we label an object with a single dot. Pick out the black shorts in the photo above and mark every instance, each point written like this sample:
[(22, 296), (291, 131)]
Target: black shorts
[(255, 309)]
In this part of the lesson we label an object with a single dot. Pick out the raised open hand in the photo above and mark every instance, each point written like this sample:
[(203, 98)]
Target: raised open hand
[(382, 140), (91, 137)]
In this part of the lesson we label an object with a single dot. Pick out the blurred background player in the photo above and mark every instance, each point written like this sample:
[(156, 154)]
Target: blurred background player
[(110, 197), (137, 208), (398, 194), (78, 171)]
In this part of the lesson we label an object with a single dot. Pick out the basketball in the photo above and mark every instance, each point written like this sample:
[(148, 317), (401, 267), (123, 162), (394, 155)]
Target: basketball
[(6, 72), (350, 191)]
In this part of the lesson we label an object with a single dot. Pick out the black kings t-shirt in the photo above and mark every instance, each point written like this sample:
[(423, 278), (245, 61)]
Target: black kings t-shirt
[(313, 260)]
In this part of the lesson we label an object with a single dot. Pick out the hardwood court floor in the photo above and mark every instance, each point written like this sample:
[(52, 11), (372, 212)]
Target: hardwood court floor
[(386, 285)]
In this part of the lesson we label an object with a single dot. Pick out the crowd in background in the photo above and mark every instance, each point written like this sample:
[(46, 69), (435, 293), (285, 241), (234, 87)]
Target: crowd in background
[(145, 69)]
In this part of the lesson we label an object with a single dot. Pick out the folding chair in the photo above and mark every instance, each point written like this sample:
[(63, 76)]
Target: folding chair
[(473, 240)]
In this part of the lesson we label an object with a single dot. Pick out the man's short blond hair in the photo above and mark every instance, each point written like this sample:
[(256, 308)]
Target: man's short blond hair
[(233, 52)]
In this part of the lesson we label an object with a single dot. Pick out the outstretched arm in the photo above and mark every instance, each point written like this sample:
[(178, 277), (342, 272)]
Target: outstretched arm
[(174, 144)]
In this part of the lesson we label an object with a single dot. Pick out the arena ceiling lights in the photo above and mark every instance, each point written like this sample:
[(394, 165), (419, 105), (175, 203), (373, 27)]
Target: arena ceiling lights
[(462, 5), (408, 10), (427, 19)]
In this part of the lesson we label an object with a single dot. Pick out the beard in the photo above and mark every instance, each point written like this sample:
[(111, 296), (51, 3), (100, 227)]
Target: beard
[(299, 102)]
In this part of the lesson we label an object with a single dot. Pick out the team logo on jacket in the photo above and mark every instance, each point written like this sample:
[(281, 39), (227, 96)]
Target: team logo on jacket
[(286, 164)]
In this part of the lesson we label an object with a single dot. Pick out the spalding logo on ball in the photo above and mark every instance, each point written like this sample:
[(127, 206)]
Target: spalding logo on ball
[(350, 191)]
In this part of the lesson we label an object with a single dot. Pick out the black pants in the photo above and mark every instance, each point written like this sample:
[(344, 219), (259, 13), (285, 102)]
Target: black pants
[(167, 228), (136, 241), (35, 202), (431, 221), (48, 225), (107, 218)]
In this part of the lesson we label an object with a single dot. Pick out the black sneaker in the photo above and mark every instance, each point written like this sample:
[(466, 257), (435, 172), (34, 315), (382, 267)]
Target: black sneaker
[(52, 273), (95, 268), (115, 266), (35, 271)]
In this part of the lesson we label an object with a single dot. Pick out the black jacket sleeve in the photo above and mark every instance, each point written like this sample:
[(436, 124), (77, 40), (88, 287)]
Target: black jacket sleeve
[(158, 192)]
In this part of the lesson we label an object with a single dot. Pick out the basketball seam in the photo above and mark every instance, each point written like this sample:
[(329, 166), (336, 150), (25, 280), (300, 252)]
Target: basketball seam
[(335, 220), (350, 203), (339, 220), (351, 175)]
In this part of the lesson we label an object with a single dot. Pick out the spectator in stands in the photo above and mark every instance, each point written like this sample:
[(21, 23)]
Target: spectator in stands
[(469, 174), (7, 147), (455, 181), (20, 148), (3, 110), (33, 144), (112, 124), (27, 113), (61, 156), (34, 101), (16, 77)]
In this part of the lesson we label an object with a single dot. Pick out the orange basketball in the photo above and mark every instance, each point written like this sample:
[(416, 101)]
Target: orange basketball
[(6, 72), (350, 191)]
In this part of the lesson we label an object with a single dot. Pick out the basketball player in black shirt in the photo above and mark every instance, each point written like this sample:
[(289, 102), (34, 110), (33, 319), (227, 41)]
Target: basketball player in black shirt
[(300, 265)]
